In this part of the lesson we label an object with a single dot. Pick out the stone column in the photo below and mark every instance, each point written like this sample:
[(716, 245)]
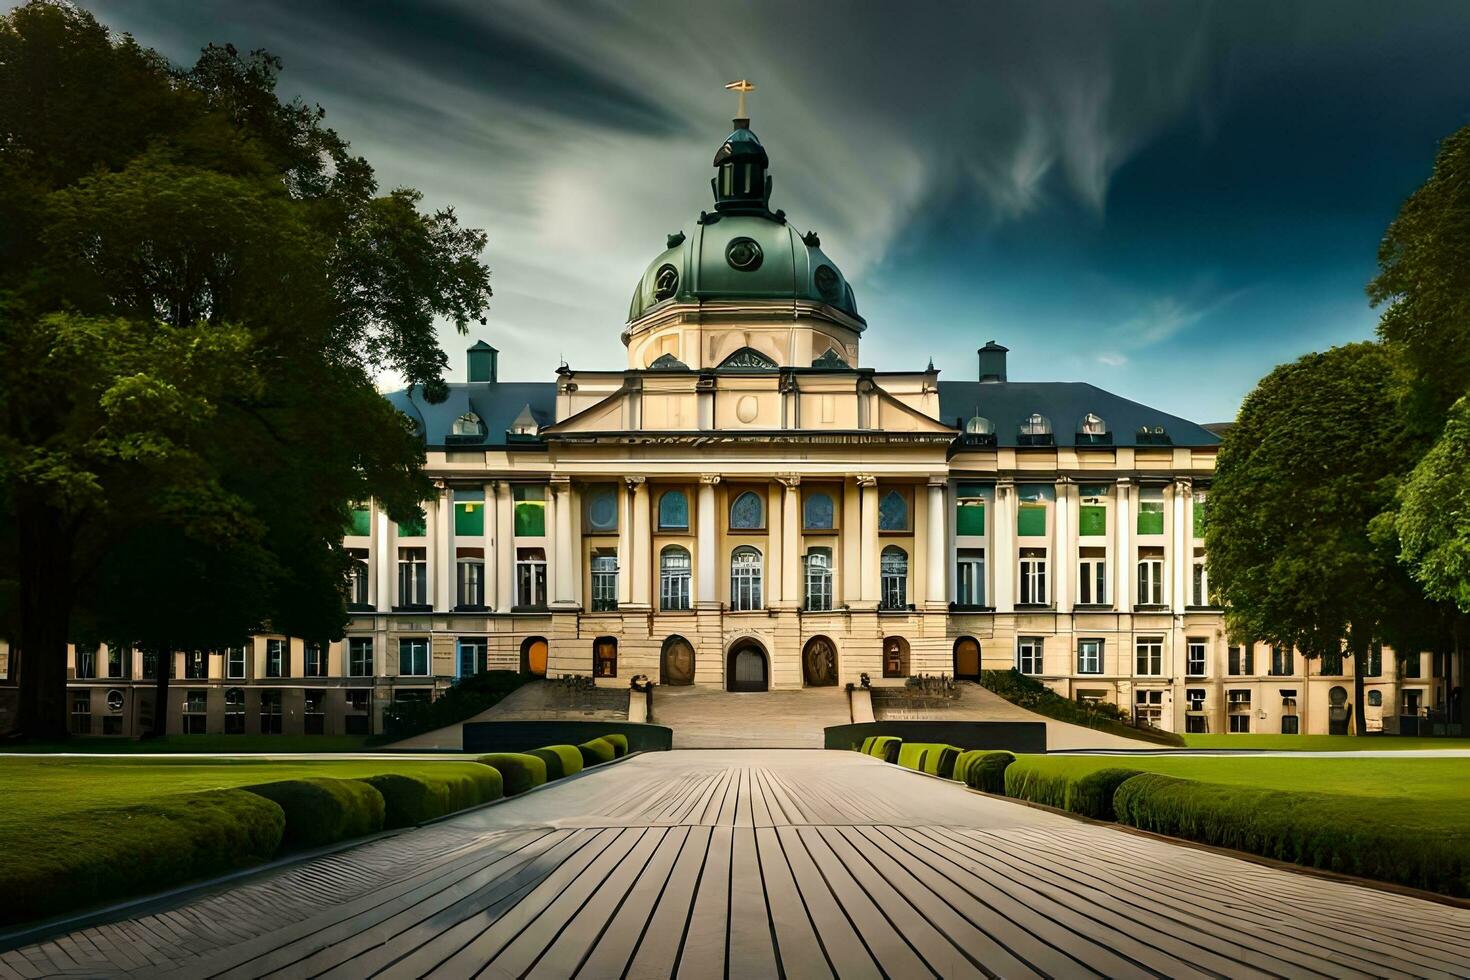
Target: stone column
[(443, 595), (1122, 559), (775, 562), (937, 543), (1181, 562), (707, 545), (791, 538), (1003, 538), (491, 542), (868, 487), (642, 541), (505, 547), (625, 544), (1064, 550), (383, 559), (566, 562)]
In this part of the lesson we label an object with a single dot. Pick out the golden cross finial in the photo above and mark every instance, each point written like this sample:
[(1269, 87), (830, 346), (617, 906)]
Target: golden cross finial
[(741, 87)]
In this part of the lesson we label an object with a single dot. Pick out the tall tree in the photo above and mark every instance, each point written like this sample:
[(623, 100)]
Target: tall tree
[(1309, 463), (169, 210)]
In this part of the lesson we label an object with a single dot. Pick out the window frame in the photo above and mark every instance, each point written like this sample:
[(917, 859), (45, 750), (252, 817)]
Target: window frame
[(1196, 667), (1092, 576), (360, 656), (807, 525), (747, 579), (1154, 665), (761, 520), (1095, 657), (603, 571), (681, 494), (413, 646), (1031, 582), (413, 577), (970, 571), (1030, 652), (675, 581), (893, 579), (530, 578), (277, 654)]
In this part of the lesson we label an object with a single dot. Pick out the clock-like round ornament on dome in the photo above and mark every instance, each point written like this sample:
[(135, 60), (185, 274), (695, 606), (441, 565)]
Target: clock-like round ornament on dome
[(666, 283), (826, 280), (743, 254)]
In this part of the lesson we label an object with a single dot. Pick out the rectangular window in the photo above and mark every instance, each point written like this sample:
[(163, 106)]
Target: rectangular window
[(413, 577), (1148, 708), (413, 527), (357, 577), (1089, 656), (234, 711), (275, 658), (1092, 576), (1033, 576), (969, 515), (1200, 583), (1283, 662), (530, 511), (1242, 660), (1150, 511), (117, 658), (1411, 662), (1241, 725), (745, 579), (819, 580), (530, 577), (1150, 576), (86, 661), (235, 663), (675, 579), (81, 712), (196, 665), (1149, 660), (316, 660), (1031, 521), (315, 713), (469, 513), (1199, 513), (1092, 512), (1196, 659), (605, 657), (474, 655), (150, 665), (196, 708), (1195, 697), (413, 658), (1029, 654), (361, 524), (1373, 664), (893, 579), (270, 712), (970, 577), (357, 721), (1331, 664), (360, 656), (604, 581), (469, 578)]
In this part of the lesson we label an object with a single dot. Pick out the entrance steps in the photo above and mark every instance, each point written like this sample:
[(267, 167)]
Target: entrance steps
[(709, 718)]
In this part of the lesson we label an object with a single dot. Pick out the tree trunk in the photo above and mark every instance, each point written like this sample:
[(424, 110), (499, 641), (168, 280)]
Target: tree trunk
[(45, 620), (163, 669), (1360, 649), (1462, 654)]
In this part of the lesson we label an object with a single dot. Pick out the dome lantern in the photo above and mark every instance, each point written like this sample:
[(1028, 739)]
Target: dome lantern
[(740, 183)]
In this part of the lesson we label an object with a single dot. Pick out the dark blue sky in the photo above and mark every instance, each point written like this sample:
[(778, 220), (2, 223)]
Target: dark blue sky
[(1163, 199)]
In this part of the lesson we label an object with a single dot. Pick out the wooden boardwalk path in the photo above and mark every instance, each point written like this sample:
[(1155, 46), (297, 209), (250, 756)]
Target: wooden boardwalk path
[(761, 864)]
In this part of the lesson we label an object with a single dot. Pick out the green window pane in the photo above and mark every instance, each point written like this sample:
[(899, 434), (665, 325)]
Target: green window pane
[(1150, 517), (362, 522), (469, 518), (531, 519), (1092, 520), (1031, 521), (970, 517), (1199, 518), (413, 528)]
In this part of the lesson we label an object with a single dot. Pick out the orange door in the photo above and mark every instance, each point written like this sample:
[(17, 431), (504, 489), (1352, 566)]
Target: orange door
[(967, 658), (536, 658)]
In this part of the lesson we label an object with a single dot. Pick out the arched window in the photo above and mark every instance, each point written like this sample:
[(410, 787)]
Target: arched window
[(748, 359), (745, 578), (1375, 699), (1092, 430), (893, 568), (895, 656), (979, 426), (1035, 430), (819, 579), (468, 425), (674, 573), (893, 512), (600, 508), (817, 512), (673, 511), (747, 513)]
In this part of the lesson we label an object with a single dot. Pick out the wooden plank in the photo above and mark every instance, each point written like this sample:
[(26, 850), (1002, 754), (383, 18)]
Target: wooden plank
[(751, 933), (800, 950), (703, 954), (840, 941), (658, 947), (614, 950)]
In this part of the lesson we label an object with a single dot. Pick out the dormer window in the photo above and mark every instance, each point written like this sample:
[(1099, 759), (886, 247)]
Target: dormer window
[(469, 424), (1092, 430), (1035, 431), (1153, 435), (979, 431)]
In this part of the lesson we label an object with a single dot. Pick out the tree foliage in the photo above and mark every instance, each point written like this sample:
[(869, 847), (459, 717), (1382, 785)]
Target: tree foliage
[(199, 283)]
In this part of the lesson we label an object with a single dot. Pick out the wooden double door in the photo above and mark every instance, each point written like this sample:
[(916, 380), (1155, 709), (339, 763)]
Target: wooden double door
[(819, 663), (748, 669), (676, 668)]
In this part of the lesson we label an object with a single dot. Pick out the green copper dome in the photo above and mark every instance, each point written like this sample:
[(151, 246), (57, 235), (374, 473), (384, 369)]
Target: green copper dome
[(743, 251)]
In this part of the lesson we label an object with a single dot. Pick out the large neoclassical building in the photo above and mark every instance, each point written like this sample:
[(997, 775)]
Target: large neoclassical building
[(746, 504)]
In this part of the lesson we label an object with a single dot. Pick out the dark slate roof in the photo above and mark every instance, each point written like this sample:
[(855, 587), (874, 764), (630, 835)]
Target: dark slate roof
[(1007, 403), (497, 403)]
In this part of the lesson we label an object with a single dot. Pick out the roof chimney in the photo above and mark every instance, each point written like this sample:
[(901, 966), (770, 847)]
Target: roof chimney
[(481, 361), (992, 361)]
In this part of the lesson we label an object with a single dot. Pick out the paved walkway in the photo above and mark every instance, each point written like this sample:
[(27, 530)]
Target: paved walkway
[(710, 863), (709, 718)]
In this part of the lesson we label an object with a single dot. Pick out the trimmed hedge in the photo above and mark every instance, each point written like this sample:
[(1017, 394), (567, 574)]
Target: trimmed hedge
[(1090, 794), (1347, 834), (935, 758), (410, 800), (519, 770), (619, 744), (596, 751), (96, 856), (1032, 694), (983, 769), (561, 760), (321, 811)]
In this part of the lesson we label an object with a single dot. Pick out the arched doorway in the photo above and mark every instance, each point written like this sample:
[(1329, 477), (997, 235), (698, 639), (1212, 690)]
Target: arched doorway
[(676, 665), (533, 656), (1338, 711), (819, 663), (748, 668), (895, 656), (967, 658)]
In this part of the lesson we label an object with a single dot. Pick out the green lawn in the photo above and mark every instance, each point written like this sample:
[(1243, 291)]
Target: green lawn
[(1323, 743), (42, 788), (241, 744)]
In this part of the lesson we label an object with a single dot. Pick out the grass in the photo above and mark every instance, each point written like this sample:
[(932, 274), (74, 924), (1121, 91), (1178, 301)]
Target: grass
[(1323, 743), (169, 744), (1031, 694)]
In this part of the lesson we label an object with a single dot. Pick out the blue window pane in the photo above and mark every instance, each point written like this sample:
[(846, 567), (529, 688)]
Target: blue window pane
[(746, 513), (673, 509), (817, 512), (893, 512), (602, 509)]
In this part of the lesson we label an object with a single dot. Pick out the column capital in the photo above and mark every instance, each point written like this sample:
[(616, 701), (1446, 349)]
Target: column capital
[(441, 484), (709, 479), (1184, 483), (1004, 483), (635, 483), (1125, 481), (561, 484), (1064, 481), (867, 481), (789, 480), (939, 480)]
